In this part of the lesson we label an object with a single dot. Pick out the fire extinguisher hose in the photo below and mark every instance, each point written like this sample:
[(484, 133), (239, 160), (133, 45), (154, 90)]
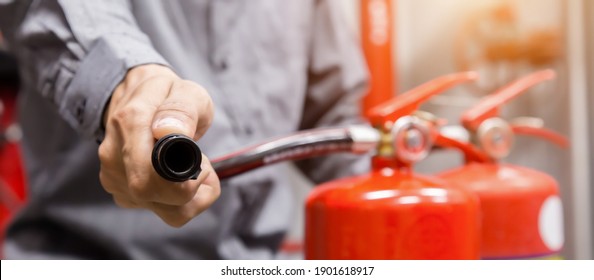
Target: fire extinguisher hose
[(358, 139), (301, 145)]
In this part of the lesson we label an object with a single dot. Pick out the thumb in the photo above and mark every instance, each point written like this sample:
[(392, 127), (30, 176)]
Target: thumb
[(167, 122), (176, 114), (186, 110)]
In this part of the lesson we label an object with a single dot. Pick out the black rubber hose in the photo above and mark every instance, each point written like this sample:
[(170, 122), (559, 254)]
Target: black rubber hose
[(301, 145), (177, 157)]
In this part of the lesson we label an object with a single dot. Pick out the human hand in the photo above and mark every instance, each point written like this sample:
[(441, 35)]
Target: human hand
[(151, 102)]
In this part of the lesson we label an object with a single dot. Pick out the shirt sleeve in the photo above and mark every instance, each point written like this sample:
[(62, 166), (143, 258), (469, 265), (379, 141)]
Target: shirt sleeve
[(76, 52), (337, 81)]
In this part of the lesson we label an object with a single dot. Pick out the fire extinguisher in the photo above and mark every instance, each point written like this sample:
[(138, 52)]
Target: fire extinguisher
[(392, 212), (520, 207), (12, 174)]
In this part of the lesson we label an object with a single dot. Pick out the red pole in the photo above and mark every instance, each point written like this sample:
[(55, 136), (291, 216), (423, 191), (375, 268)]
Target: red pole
[(377, 23)]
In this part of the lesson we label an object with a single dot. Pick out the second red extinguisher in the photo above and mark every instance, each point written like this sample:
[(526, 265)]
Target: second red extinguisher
[(521, 208)]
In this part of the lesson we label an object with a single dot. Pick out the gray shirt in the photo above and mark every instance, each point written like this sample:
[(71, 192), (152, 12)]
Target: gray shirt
[(271, 66)]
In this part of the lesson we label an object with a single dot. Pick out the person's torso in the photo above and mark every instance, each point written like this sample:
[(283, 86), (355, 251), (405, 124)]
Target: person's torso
[(252, 57)]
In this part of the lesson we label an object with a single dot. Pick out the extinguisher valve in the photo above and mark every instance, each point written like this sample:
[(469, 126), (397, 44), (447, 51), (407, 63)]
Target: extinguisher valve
[(411, 139), (496, 137)]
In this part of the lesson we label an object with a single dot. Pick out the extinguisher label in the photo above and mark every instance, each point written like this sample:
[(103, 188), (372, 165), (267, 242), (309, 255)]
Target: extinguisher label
[(550, 223), (380, 22)]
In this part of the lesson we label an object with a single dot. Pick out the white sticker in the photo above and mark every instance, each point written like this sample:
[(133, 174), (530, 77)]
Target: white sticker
[(550, 223)]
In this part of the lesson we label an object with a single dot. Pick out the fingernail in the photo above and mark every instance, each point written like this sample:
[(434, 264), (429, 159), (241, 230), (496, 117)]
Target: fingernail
[(168, 122)]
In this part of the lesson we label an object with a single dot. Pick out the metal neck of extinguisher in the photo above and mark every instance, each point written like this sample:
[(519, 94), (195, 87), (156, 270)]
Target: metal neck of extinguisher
[(406, 134), (491, 137)]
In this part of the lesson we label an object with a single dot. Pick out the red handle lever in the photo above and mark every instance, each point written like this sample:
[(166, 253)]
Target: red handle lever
[(408, 102), (544, 133), (489, 106), (472, 153)]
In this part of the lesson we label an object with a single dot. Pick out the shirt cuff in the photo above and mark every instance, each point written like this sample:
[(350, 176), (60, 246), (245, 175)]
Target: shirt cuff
[(103, 68)]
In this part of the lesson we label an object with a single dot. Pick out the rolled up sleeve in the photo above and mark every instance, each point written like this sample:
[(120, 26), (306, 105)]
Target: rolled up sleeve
[(76, 52)]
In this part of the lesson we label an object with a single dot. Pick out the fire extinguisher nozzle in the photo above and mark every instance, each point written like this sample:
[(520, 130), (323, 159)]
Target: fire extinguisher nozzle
[(177, 158)]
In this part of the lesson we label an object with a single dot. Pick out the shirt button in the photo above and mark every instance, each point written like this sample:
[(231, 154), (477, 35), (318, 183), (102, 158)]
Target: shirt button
[(219, 61), (248, 131), (223, 65)]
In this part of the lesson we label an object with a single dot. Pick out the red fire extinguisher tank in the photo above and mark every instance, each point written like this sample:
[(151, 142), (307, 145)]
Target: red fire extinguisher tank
[(521, 208), (12, 175), (393, 213)]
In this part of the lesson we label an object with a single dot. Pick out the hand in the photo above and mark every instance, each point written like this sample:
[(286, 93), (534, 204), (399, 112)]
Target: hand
[(150, 103)]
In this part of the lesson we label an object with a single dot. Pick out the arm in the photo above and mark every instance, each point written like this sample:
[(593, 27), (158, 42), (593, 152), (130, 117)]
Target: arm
[(76, 52), (337, 81), (91, 60)]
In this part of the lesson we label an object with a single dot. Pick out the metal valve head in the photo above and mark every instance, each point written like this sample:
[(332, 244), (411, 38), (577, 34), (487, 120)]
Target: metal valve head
[(496, 137), (412, 139)]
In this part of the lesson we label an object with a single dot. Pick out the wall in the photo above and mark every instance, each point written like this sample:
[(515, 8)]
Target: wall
[(588, 15)]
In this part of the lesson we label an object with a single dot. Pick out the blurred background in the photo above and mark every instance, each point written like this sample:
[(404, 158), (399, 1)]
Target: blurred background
[(501, 39), (504, 40)]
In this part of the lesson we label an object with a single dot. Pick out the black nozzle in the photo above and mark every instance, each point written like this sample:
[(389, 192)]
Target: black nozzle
[(177, 158)]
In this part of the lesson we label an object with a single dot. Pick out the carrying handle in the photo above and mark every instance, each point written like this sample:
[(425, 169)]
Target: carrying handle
[(471, 152), (408, 102), (489, 107), (543, 133)]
